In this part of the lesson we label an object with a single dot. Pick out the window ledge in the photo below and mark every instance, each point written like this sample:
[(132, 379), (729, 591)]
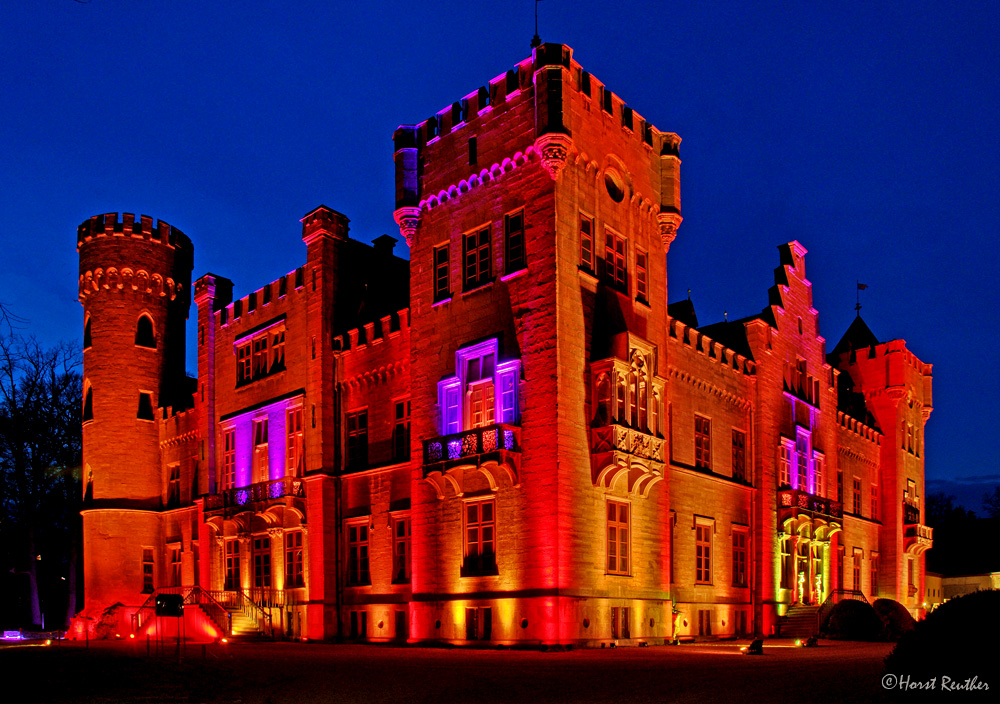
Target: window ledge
[(435, 304), (514, 274), (480, 287)]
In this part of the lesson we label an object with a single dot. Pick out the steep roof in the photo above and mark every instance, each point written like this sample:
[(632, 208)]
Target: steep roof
[(858, 337)]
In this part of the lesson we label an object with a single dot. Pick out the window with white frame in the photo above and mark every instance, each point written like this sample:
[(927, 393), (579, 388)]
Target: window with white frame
[(357, 554), (470, 399), (228, 479), (476, 267), (261, 468), (802, 454), (819, 489), (400, 549), (785, 463), (295, 443), (514, 244), (401, 430), (739, 557), (260, 353), (618, 538), (480, 537), (587, 243), (232, 553), (293, 560), (615, 263), (703, 552), (702, 442), (641, 276)]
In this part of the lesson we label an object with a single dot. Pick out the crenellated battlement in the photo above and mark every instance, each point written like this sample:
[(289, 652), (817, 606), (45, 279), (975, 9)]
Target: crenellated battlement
[(371, 333), (709, 348), (109, 225), (250, 303), (863, 430)]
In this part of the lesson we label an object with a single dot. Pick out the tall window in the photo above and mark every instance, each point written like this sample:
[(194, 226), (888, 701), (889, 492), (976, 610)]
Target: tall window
[(401, 550), (739, 455), (480, 537), (87, 339), (174, 487), (260, 357), (739, 558), (261, 463), (819, 489), (615, 267), (357, 554), (476, 271), (703, 553), (88, 404), (873, 588), (856, 572), (175, 566), (294, 443), (293, 559), (244, 368), (514, 254), (786, 563), (702, 442), (856, 496), (441, 287), (357, 438), (840, 568), (784, 465), (802, 461), (641, 276), (144, 336), (618, 538), (232, 550), (586, 243), (840, 486), (147, 570), (874, 502), (228, 458), (145, 410), (262, 562), (277, 349), (401, 431)]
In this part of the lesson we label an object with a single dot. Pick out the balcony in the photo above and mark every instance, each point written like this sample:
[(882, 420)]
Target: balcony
[(795, 500), (620, 451), (911, 512), (487, 449), (917, 538), (245, 498)]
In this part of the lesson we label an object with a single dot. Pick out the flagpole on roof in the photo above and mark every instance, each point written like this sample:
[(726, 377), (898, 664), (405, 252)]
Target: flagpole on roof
[(536, 40), (857, 304)]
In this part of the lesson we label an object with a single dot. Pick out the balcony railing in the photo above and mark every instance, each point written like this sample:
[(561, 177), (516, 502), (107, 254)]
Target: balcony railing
[(622, 438), (796, 498), (244, 496), (911, 512), (919, 532), (476, 445)]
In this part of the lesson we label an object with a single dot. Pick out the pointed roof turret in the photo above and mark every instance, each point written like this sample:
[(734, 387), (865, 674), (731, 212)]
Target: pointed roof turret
[(858, 337)]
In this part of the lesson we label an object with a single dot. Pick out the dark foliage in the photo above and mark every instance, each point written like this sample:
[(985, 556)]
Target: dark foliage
[(852, 619), (896, 620), (957, 639)]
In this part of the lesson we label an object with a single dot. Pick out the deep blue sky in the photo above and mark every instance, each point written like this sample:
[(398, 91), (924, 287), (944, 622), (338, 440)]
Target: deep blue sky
[(867, 131)]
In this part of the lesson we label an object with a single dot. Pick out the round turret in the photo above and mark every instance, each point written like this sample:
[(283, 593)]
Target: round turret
[(135, 281)]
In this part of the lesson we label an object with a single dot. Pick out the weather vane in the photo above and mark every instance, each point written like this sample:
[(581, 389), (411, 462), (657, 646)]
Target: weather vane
[(857, 304), (536, 40)]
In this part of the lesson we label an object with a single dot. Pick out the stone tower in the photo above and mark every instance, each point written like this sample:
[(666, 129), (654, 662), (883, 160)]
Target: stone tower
[(135, 289)]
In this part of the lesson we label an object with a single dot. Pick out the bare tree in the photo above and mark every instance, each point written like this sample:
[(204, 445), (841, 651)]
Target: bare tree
[(40, 443)]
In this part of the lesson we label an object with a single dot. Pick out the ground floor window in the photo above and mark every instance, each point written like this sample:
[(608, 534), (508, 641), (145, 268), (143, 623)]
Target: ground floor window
[(147, 570), (621, 626), (293, 560), (357, 554), (262, 563), (479, 623), (232, 551)]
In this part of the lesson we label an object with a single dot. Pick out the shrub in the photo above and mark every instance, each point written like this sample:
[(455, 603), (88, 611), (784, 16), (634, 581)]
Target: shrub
[(957, 639), (896, 620), (853, 620)]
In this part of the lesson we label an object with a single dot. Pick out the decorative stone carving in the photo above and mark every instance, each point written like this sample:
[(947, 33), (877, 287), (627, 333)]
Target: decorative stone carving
[(668, 222), (554, 150), (407, 218)]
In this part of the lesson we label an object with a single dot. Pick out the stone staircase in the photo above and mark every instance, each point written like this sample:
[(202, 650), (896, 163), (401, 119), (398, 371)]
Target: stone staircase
[(799, 622), (244, 627)]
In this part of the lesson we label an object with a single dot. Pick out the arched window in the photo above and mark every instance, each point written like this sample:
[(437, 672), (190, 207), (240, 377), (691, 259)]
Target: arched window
[(641, 393), (86, 333), (88, 404), (633, 396), (144, 336)]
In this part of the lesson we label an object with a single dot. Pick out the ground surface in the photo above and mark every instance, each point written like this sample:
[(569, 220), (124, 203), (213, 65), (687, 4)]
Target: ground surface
[(291, 672)]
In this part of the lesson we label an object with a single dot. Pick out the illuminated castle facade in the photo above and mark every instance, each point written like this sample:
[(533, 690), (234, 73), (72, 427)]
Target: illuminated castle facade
[(510, 438)]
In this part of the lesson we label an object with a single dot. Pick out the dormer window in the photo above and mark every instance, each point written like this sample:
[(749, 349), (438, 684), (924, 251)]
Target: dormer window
[(482, 393)]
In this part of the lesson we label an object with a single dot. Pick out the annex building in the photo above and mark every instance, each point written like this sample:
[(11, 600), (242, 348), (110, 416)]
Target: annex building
[(511, 437)]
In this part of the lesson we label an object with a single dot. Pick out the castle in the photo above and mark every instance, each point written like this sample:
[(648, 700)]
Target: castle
[(512, 437)]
